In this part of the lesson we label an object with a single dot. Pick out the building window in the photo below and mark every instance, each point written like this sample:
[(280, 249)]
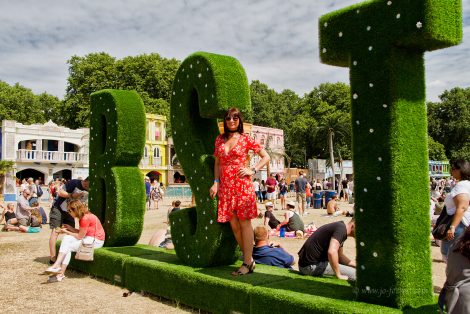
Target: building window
[(156, 152), (146, 154)]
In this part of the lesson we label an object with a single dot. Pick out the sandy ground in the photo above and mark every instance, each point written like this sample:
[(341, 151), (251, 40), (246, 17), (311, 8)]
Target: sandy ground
[(24, 257)]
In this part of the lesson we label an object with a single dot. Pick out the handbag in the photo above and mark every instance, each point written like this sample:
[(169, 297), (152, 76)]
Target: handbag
[(86, 250), (439, 232)]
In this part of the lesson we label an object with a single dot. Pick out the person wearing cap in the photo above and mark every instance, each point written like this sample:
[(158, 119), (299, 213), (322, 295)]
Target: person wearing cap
[(269, 253), (269, 216), (292, 220), (322, 253)]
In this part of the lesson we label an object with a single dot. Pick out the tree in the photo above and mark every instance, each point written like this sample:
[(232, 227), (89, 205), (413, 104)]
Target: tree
[(20, 104), (449, 121), (5, 166), (328, 105), (149, 74), (436, 150)]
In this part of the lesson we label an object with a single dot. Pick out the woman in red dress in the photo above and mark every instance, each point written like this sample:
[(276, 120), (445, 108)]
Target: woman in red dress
[(233, 183)]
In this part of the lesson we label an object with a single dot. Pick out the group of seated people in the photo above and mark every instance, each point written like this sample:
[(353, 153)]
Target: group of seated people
[(322, 253), (28, 216)]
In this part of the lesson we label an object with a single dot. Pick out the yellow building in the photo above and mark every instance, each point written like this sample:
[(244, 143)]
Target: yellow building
[(154, 163)]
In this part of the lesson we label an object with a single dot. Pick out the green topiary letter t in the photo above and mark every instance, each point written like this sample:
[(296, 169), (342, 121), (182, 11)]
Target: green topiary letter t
[(383, 43)]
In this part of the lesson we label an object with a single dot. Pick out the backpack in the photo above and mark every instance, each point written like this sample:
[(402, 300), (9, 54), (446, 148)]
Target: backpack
[(39, 192)]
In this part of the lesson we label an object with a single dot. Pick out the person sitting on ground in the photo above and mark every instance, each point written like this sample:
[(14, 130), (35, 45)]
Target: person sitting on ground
[(43, 215), (322, 253), (162, 237), (8, 213), (269, 217), (23, 210), (333, 209), (456, 291), (270, 254), (292, 221), (90, 231), (34, 223)]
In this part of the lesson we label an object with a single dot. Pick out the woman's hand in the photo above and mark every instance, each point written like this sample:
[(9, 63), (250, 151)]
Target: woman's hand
[(214, 189), (450, 234), (245, 172)]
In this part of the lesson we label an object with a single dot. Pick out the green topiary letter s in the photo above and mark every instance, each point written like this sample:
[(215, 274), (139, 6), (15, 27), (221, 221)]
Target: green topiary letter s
[(383, 43), (205, 86), (117, 139)]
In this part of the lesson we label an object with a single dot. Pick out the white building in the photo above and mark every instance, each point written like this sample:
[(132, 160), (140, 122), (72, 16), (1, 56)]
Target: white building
[(42, 151)]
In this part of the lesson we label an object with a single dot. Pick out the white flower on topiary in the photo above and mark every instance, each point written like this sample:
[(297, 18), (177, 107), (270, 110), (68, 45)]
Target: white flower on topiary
[(355, 96), (419, 25)]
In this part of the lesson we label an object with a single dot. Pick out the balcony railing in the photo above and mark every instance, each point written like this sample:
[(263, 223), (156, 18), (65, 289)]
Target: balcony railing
[(151, 162), (50, 156)]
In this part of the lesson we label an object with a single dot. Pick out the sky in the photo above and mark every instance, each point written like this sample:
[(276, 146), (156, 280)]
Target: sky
[(276, 41)]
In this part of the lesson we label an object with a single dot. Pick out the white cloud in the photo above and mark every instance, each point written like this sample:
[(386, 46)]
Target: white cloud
[(276, 41)]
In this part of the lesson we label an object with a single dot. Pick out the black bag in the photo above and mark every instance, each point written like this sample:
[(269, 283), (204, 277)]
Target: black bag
[(39, 192), (439, 232)]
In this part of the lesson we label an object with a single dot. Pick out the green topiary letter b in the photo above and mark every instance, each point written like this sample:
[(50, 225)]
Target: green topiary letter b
[(117, 190)]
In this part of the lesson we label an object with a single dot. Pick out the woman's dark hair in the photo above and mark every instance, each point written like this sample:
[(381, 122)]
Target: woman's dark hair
[(233, 112), (463, 244), (464, 167)]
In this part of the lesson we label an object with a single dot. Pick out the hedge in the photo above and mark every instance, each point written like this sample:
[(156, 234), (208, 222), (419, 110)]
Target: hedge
[(268, 290), (205, 86), (383, 44), (117, 138)]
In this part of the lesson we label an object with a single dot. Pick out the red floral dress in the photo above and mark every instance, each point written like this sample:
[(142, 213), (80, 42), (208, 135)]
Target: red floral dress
[(236, 195)]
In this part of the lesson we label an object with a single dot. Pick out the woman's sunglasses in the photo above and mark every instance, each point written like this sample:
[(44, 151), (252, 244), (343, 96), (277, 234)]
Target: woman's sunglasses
[(234, 118)]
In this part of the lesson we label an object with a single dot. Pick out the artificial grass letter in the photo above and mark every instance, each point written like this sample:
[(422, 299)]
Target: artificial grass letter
[(117, 190), (383, 43), (205, 86)]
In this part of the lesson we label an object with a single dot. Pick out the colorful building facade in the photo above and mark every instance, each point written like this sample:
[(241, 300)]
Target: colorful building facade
[(154, 163)]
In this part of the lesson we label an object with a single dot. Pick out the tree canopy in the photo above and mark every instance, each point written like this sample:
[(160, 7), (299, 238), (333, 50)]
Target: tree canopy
[(306, 120), (149, 74), (22, 105), (449, 122)]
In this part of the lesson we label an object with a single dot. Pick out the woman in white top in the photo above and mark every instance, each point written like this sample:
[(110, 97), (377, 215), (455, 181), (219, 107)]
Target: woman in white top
[(457, 204)]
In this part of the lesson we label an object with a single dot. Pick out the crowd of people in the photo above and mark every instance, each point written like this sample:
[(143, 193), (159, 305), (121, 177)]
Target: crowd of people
[(275, 188), (321, 253)]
